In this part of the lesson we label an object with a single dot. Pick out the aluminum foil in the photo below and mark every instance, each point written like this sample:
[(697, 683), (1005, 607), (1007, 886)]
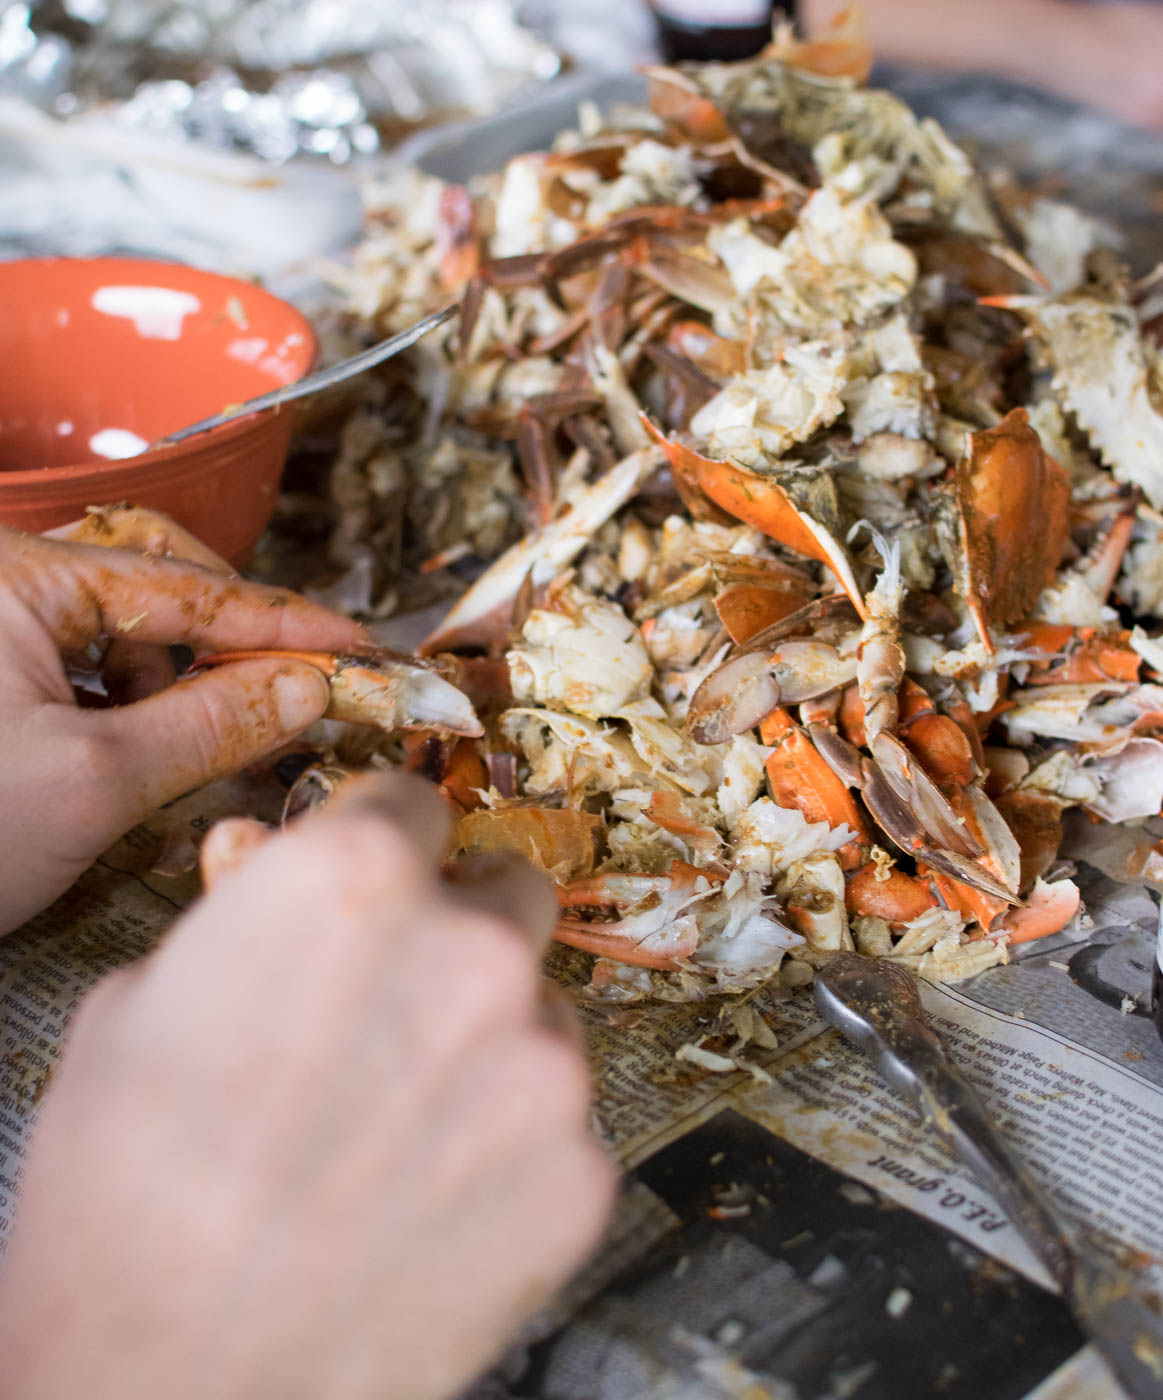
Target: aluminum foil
[(279, 78)]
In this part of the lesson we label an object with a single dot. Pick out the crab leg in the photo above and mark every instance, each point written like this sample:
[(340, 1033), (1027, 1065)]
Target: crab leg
[(880, 666), (483, 613), (1010, 504), (655, 928), (1079, 655), (379, 687), (761, 502)]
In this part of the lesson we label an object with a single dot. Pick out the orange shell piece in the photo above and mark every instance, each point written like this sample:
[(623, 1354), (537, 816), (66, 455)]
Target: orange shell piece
[(900, 898), (799, 778), (1012, 503)]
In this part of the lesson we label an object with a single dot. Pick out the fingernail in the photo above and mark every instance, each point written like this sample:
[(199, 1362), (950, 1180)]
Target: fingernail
[(301, 695)]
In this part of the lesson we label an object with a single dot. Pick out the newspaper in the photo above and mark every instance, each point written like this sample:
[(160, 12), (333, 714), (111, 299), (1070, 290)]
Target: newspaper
[(1059, 1044)]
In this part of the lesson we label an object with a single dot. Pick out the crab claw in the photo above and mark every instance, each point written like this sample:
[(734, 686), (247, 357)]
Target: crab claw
[(1010, 501), (1049, 909), (732, 699), (760, 501), (378, 687), (968, 872)]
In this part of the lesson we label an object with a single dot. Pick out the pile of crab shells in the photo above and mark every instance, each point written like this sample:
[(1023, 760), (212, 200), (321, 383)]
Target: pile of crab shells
[(809, 487)]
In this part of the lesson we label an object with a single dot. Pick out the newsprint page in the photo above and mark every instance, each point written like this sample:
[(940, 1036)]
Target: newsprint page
[(785, 1229)]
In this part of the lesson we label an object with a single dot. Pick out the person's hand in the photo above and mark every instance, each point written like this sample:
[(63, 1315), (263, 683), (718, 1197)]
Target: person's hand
[(330, 1140), (1108, 56), (74, 780)]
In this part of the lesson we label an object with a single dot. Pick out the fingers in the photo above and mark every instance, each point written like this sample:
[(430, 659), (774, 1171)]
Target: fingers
[(227, 845), (80, 593), (508, 889), (205, 728), (403, 802), (143, 530)]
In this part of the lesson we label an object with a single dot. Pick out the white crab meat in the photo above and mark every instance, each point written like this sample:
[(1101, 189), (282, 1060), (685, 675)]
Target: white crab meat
[(1131, 781), (813, 890), (1059, 238), (839, 265), (768, 838), (565, 750), (758, 415), (741, 935)]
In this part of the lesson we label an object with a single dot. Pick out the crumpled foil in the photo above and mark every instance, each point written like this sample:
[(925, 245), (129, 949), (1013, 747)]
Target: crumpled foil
[(278, 78)]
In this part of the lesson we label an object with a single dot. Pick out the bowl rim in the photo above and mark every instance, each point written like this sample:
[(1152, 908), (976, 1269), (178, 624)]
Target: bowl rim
[(162, 457)]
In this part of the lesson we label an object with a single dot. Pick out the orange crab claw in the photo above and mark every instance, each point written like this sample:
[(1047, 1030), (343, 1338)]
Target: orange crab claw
[(664, 947), (618, 947), (1049, 909), (1010, 502), (974, 904), (799, 777), (761, 502), (898, 897)]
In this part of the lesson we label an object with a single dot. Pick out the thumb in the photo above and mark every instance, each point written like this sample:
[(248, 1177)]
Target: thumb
[(209, 726)]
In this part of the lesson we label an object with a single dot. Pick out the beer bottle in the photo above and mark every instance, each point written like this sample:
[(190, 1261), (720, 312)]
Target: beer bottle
[(726, 30)]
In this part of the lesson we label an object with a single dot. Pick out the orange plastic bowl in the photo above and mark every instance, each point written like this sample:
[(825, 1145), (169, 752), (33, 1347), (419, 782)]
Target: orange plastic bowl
[(103, 356)]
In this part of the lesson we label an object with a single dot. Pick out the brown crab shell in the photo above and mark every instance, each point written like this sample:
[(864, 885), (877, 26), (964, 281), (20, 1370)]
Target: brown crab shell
[(1010, 500)]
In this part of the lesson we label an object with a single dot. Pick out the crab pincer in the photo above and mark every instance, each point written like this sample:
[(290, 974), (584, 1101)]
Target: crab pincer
[(378, 687)]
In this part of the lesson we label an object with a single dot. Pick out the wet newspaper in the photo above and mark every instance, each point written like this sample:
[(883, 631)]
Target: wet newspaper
[(722, 1163)]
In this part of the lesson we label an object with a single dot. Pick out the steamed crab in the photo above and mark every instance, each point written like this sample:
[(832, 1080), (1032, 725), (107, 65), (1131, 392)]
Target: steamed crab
[(807, 624)]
